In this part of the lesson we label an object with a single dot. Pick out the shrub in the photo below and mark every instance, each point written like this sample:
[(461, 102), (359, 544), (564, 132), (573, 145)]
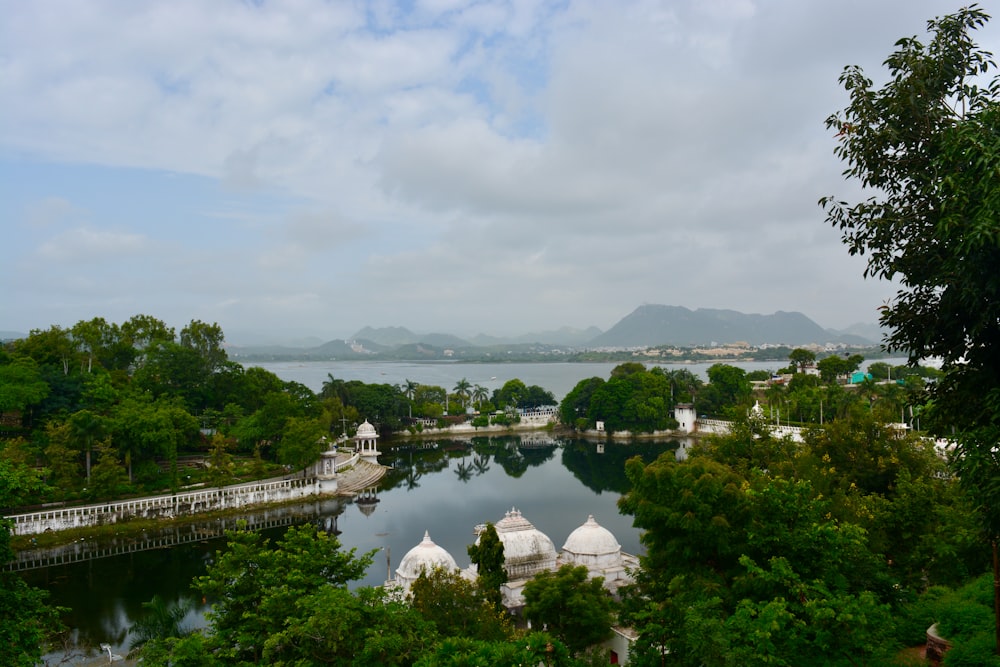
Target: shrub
[(974, 651)]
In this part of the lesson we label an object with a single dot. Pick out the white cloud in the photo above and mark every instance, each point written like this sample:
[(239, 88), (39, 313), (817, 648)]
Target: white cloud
[(92, 246), (553, 162)]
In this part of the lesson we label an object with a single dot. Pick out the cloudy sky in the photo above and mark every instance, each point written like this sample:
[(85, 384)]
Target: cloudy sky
[(309, 168)]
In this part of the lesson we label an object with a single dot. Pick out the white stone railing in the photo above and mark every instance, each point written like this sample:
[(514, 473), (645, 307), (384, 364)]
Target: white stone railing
[(721, 427), (171, 506)]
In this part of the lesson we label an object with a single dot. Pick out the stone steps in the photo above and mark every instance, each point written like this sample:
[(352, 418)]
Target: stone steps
[(363, 475)]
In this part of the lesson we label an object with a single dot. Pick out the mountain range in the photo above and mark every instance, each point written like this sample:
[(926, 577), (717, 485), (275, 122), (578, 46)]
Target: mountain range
[(648, 325)]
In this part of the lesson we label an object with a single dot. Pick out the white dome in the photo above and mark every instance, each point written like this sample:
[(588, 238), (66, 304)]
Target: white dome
[(366, 430), (592, 539), (527, 550), (424, 557)]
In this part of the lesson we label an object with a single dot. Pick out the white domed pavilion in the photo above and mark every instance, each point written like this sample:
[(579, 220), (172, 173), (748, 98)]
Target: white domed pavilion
[(595, 548), (366, 442), (423, 558), (527, 550)]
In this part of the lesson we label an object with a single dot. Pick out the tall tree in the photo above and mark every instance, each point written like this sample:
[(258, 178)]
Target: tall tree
[(574, 608), (87, 428), (926, 148), (28, 622), (462, 390), (457, 607), (488, 556), (257, 587), (802, 357)]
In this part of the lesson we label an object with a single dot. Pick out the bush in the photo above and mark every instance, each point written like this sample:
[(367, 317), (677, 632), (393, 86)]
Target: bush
[(967, 611), (914, 618), (974, 651)]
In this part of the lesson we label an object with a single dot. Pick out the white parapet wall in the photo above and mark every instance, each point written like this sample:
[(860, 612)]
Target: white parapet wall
[(173, 505), (721, 427)]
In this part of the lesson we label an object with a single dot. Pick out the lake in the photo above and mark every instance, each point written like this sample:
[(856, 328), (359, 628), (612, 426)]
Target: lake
[(445, 487), (557, 377)]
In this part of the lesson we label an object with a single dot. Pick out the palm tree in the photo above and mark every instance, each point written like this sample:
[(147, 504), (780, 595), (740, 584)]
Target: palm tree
[(479, 395), (464, 471), (410, 390), (462, 388), (481, 463), (162, 619), (333, 387)]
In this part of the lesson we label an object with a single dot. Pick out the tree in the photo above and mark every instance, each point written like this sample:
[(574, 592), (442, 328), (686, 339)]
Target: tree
[(479, 395), (109, 478), (488, 557), (510, 394), (727, 391), (462, 390), (161, 619), (86, 428), (410, 391), (925, 146), (207, 340), (574, 608), (833, 366), (28, 624), (220, 461), (537, 648), (141, 332), (743, 563), (802, 358), (457, 608), (301, 442), (258, 588), (21, 384)]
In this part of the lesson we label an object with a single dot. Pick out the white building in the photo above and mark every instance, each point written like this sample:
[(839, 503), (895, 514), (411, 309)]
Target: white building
[(425, 557), (528, 552)]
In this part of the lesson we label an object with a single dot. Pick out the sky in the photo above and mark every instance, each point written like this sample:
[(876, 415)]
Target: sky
[(308, 168)]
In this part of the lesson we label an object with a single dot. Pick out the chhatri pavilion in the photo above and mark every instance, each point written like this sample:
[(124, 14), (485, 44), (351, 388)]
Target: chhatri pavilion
[(528, 552)]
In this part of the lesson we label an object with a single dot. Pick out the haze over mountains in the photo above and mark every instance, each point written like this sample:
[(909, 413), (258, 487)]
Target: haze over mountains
[(647, 326)]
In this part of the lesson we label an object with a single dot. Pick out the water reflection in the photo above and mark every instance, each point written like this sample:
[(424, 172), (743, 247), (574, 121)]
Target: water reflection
[(446, 487)]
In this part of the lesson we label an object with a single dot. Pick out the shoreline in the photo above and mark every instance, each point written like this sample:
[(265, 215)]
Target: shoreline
[(133, 527)]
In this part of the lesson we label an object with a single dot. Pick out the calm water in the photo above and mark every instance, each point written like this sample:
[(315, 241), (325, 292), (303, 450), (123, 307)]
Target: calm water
[(445, 488), (559, 378)]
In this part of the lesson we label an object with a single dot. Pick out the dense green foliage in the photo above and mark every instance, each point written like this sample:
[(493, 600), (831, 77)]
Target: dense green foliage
[(108, 410), (764, 551), (27, 624), (925, 147), (289, 604), (632, 399), (574, 608)]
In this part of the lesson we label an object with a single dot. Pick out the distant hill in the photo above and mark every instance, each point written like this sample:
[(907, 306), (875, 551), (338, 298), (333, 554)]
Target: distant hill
[(647, 325), (568, 336), (867, 332), (650, 325), (397, 336)]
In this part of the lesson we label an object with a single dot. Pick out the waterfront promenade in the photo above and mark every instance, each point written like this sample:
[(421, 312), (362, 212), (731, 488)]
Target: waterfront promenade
[(351, 476)]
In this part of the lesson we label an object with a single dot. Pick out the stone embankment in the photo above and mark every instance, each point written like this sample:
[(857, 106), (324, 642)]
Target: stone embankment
[(358, 474)]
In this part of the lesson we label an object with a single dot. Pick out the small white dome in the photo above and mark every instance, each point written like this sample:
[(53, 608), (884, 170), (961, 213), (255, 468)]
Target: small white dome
[(424, 557), (592, 539), (366, 430)]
